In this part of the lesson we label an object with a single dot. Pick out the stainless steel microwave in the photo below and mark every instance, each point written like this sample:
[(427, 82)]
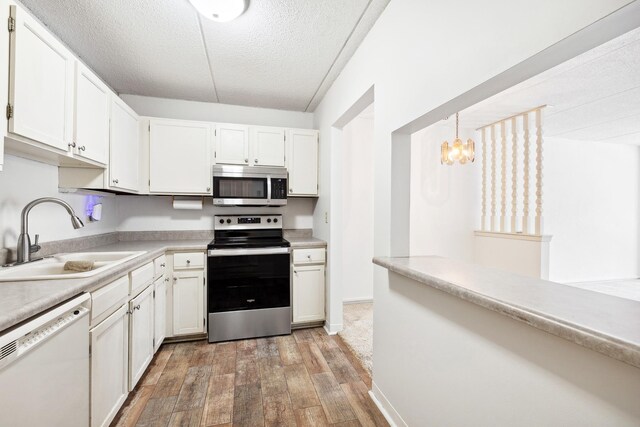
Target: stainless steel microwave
[(249, 186)]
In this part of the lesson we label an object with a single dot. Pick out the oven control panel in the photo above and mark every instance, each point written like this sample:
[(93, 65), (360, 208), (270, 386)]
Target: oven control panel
[(246, 222)]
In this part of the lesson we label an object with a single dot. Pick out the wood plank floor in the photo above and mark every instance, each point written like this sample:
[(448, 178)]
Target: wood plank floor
[(305, 379)]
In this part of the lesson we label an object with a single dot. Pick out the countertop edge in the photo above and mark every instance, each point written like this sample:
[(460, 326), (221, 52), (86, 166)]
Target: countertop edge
[(602, 343)]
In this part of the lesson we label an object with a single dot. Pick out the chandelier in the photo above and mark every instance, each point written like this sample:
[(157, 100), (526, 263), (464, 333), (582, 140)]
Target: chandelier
[(458, 151)]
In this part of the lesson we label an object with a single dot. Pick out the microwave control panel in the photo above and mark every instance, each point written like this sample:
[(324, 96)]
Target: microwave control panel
[(278, 188)]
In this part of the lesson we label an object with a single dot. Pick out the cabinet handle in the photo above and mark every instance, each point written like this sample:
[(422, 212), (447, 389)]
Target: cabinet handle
[(166, 279), (128, 312), (163, 265), (137, 307), (82, 148), (255, 160), (291, 190), (246, 160), (208, 189), (175, 279), (72, 145), (188, 261), (115, 181)]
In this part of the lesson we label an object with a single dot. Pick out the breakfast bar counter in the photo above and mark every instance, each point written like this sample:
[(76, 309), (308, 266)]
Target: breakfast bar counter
[(465, 345)]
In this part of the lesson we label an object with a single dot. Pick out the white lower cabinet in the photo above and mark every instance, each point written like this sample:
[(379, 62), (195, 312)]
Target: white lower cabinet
[(109, 367), (308, 293), (160, 311), (141, 334), (188, 302)]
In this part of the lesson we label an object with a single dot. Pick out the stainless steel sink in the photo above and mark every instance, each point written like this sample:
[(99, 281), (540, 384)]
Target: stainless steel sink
[(52, 268)]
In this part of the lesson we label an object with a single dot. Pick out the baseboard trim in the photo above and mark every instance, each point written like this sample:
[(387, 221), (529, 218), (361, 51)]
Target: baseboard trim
[(357, 300), (390, 414), (333, 328)]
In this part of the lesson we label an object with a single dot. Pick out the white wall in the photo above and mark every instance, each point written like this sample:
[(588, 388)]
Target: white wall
[(417, 63), (592, 209), (415, 70), (445, 200), (23, 181), (357, 209), (223, 113), (147, 213)]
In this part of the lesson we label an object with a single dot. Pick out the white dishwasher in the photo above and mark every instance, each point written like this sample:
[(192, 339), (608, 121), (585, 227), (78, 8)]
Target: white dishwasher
[(44, 369)]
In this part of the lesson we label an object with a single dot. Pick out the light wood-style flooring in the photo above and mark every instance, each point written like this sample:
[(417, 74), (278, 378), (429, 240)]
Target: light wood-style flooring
[(304, 379)]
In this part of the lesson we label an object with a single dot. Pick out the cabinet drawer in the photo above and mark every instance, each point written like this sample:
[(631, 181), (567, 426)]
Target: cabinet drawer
[(140, 277), (188, 260), (159, 266), (309, 256), (109, 297)]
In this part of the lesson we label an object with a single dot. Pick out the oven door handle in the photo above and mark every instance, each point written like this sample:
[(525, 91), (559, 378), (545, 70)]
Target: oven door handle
[(239, 252)]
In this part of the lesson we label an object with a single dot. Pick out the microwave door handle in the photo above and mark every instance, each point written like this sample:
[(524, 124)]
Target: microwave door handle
[(268, 188)]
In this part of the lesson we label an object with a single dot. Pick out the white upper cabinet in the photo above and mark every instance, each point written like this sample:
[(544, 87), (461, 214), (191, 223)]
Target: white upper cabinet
[(302, 162), (180, 157), (41, 83), (267, 146), (91, 118), (232, 144), (124, 147)]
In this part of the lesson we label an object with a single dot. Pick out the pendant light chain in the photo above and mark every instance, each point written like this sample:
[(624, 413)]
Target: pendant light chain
[(457, 122)]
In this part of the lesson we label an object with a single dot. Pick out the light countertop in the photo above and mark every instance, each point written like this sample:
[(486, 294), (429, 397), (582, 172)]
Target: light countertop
[(306, 242), (607, 324), (24, 299)]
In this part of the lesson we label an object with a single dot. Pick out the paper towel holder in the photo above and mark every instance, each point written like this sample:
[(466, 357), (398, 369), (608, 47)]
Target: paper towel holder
[(187, 202)]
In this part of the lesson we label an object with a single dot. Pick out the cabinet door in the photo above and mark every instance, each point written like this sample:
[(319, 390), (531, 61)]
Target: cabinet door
[(308, 293), (41, 83), (180, 157), (267, 145), (160, 311), (124, 143), (302, 162), (109, 367), (188, 302), (141, 335), (91, 118), (232, 144)]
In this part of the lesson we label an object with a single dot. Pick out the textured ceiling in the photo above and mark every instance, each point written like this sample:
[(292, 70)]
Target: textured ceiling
[(594, 96), (279, 54)]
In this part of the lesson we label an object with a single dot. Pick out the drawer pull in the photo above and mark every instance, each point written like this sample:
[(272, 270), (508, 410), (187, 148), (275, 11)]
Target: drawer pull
[(163, 265), (188, 261)]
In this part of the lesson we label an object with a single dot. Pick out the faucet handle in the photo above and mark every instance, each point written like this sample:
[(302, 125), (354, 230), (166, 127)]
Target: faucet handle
[(35, 247)]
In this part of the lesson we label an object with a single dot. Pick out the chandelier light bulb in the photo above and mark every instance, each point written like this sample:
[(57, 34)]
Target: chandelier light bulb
[(220, 10)]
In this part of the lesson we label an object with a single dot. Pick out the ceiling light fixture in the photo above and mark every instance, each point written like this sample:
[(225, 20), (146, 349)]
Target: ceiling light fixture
[(458, 151), (220, 10)]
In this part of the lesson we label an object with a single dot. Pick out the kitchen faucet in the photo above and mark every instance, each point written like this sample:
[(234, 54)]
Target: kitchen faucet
[(25, 248)]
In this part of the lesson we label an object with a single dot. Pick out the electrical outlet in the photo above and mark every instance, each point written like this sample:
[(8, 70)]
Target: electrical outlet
[(326, 217)]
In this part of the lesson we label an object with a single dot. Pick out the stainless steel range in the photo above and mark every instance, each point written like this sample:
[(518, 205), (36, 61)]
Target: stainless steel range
[(249, 291)]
